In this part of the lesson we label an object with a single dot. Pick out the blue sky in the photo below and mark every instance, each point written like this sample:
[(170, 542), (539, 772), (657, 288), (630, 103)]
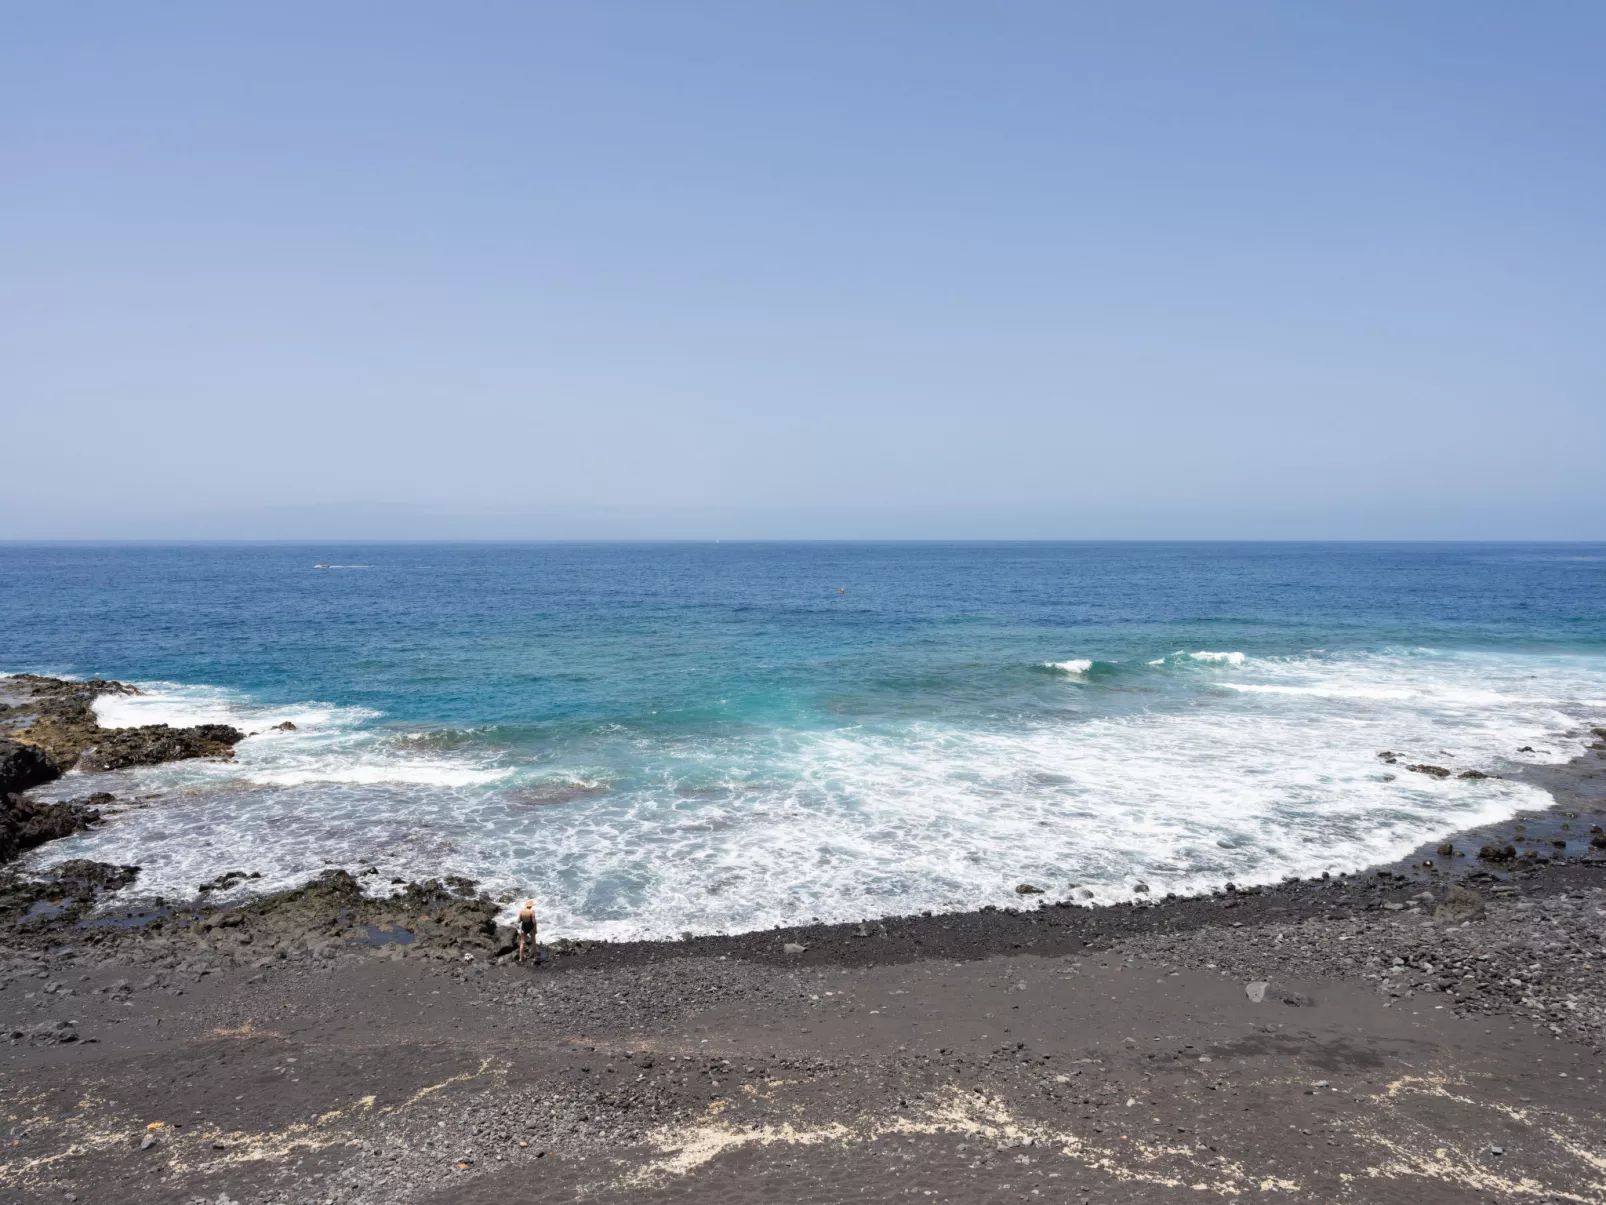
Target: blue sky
[(793, 270)]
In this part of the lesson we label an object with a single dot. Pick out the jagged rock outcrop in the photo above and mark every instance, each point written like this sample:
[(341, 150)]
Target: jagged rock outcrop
[(121, 748)]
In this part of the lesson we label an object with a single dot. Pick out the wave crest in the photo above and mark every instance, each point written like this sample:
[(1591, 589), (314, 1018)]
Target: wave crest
[(1203, 656), (1075, 668)]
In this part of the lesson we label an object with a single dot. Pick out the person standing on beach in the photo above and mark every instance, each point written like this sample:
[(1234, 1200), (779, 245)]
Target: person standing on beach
[(527, 927)]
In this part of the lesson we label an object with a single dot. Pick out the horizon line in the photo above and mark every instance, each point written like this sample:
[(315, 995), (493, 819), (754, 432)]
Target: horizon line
[(6, 542)]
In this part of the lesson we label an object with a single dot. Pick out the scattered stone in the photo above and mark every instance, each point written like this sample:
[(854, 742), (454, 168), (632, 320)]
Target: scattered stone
[(1259, 991), (1027, 889), (224, 881)]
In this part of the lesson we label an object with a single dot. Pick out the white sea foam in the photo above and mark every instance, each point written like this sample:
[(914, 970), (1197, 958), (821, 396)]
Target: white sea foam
[(183, 705), (327, 744), (395, 771), (1275, 775), (1069, 667)]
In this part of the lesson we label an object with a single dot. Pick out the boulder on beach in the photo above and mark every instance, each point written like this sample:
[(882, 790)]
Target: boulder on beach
[(1260, 991), (1027, 889), (27, 823), (1498, 853), (23, 767), (1459, 905)]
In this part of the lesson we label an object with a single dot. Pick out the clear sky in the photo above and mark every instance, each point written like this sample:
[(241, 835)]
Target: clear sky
[(832, 269)]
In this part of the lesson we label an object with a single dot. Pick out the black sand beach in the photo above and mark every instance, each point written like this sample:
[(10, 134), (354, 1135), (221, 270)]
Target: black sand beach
[(1428, 1032)]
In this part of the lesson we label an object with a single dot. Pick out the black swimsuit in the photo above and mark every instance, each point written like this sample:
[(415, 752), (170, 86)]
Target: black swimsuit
[(527, 924)]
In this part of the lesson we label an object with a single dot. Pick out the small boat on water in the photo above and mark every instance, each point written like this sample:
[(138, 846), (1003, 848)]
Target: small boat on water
[(321, 565)]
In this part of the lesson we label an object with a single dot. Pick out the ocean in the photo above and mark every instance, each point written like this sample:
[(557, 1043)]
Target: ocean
[(659, 738)]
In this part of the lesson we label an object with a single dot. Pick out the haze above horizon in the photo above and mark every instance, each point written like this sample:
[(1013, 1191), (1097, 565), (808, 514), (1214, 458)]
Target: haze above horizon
[(831, 271)]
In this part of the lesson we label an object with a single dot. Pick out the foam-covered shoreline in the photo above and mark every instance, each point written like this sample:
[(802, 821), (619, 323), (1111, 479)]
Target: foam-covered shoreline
[(449, 918), (1247, 1018)]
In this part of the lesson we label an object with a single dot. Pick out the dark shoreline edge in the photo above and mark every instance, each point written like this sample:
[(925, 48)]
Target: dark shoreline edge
[(450, 920)]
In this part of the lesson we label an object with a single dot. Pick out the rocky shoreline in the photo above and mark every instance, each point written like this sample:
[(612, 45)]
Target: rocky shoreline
[(48, 727), (1429, 1031)]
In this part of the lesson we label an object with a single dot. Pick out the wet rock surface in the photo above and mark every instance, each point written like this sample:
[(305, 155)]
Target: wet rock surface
[(26, 824), (23, 767)]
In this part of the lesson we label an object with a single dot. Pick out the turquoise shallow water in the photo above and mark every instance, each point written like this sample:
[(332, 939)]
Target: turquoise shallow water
[(665, 737)]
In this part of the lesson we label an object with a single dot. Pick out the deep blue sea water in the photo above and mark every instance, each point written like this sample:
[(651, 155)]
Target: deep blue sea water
[(653, 738)]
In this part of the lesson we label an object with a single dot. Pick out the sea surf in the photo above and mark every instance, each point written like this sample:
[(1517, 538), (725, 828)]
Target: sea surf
[(714, 738)]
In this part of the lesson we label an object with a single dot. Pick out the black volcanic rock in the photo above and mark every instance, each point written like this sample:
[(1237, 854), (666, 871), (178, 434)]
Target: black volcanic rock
[(104, 876), (1431, 771), (22, 767), (27, 823), (120, 748)]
